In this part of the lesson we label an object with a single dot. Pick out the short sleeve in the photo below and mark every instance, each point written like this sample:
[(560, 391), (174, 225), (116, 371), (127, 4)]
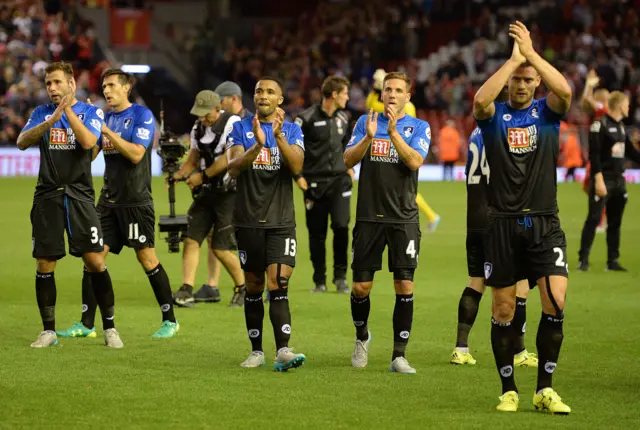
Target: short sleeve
[(235, 137), (34, 120), (143, 128), (359, 132), (421, 138), (548, 114), (296, 137), (192, 136), (487, 122), (93, 120)]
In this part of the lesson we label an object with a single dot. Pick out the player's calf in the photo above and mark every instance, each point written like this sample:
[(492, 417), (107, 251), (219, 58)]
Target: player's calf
[(502, 335)]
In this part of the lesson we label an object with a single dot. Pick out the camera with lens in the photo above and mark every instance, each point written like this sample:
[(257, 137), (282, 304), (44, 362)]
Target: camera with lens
[(171, 151)]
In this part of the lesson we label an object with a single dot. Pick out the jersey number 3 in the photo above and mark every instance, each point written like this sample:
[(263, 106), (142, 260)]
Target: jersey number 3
[(477, 160)]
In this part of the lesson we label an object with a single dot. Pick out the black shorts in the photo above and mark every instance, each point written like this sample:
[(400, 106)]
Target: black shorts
[(370, 239), (50, 218), (213, 211), (261, 247), (128, 226), (529, 247), (475, 253)]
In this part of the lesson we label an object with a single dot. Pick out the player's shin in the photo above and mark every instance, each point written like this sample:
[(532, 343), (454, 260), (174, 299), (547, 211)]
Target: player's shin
[(89, 304), (502, 344), (548, 342), (467, 313), (254, 317), (162, 290), (360, 308), (402, 320), (519, 324), (46, 297), (103, 290), (280, 316)]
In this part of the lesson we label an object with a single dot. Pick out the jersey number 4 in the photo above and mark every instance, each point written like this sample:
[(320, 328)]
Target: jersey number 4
[(477, 160)]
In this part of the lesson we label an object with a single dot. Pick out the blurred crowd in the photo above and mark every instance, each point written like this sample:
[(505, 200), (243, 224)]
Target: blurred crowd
[(353, 39), (32, 34)]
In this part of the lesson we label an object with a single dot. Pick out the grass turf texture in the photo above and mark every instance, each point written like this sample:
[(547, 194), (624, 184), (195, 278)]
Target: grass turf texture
[(194, 381)]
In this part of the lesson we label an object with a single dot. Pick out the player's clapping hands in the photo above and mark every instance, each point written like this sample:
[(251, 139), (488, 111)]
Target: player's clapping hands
[(278, 122), (65, 102), (257, 131), (372, 124), (393, 119), (521, 35)]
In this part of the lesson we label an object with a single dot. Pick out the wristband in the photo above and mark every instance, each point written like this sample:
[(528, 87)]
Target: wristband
[(297, 176)]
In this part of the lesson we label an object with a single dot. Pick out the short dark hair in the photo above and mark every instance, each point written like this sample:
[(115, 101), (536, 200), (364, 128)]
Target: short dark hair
[(66, 68), (276, 80), (123, 77), (397, 75), (334, 83)]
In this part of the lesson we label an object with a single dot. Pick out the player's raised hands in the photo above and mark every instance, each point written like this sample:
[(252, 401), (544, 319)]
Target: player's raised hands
[(393, 119), (278, 121), (372, 124), (592, 79), (65, 102), (516, 55), (521, 35), (258, 132)]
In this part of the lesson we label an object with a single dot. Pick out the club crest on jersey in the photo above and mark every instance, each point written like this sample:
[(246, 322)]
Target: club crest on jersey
[(127, 123), (81, 117), (243, 257), (488, 268), (522, 140), (534, 112), (267, 159), (383, 151), (407, 131), (506, 117)]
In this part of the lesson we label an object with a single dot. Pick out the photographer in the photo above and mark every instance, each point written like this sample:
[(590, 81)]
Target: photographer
[(205, 172)]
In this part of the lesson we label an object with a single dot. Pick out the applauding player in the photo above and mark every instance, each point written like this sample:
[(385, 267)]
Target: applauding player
[(126, 205), (66, 131), (392, 148), (264, 151), (523, 237)]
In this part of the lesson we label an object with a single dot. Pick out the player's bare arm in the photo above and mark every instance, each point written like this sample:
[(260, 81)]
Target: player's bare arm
[(595, 142), (559, 100), (216, 168), (86, 139), (409, 156), (587, 101), (131, 151), (239, 159), (95, 151), (32, 136), (292, 155), (354, 154), (483, 107)]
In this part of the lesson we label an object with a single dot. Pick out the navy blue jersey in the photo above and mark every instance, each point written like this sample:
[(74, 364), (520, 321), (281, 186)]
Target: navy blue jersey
[(387, 187), (265, 189), (126, 183), (478, 175), (65, 167), (522, 148)]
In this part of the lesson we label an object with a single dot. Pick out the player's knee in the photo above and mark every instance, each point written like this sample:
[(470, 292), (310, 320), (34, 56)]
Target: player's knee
[(147, 258), (477, 284), (403, 287), (190, 244), (45, 266), (361, 289), (254, 283), (363, 276), (94, 261), (278, 278), (340, 229), (504, 310)]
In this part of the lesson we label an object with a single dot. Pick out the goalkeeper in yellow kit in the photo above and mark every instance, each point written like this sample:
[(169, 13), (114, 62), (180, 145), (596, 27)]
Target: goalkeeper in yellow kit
[(374, 102)]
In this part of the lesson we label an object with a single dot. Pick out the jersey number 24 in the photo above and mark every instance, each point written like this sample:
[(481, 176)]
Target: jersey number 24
[(477, 160)]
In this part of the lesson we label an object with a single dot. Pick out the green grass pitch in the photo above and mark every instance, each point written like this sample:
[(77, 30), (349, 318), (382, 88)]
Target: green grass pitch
[(194, 381)]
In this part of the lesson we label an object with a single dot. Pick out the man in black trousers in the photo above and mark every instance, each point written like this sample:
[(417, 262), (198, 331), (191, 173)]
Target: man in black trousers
[(609, 145), (326, 181)]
